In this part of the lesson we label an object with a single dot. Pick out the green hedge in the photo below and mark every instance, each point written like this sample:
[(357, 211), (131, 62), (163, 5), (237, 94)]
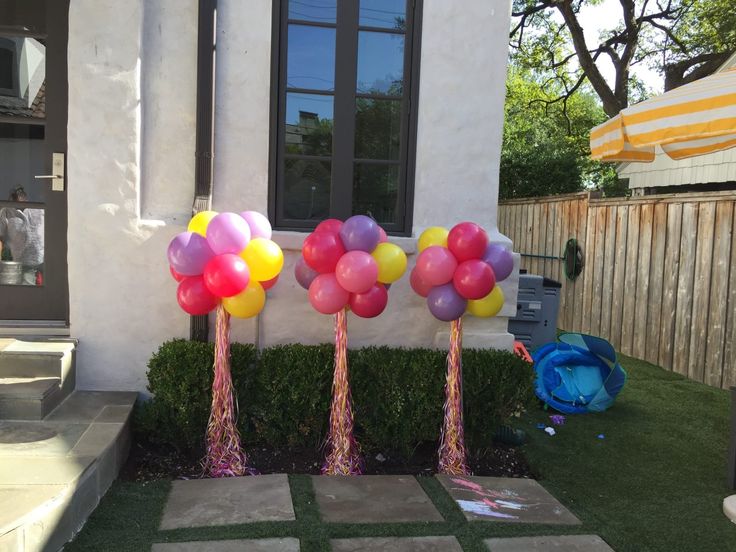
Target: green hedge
[(283, 394)]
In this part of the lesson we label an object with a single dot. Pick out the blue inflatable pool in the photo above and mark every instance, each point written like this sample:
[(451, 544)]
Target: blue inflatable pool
[(579, 373)]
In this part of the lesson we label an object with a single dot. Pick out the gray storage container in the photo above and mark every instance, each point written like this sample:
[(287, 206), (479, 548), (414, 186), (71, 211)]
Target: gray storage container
[(538, 304)]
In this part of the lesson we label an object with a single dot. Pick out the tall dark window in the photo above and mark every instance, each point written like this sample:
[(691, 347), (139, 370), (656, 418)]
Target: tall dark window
[(344, 103)]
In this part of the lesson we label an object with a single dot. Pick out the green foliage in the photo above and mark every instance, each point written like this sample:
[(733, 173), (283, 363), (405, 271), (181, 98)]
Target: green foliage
[(546, 145), (284, 395)]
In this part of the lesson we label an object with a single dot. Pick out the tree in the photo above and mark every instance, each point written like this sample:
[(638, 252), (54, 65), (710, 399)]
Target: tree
[(684, 39), (545, 149)]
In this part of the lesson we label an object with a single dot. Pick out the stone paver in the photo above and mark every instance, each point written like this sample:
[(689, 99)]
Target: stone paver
[(257, 545), (397, 544), (85, 406), (563, 543), (506, 499), (228, 501), (372, 499)]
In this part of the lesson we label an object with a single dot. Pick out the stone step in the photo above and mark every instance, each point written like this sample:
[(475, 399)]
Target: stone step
[(35, 377), (55, 471)]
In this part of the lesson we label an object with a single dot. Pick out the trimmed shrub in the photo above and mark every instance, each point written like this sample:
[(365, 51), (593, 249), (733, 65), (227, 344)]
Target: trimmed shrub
[(284, 394)]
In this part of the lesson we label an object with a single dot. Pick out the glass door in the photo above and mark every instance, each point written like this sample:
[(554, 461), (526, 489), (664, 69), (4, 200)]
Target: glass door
[(33, 118)]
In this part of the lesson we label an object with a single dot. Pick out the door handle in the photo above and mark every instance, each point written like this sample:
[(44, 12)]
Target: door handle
[(57, 167)]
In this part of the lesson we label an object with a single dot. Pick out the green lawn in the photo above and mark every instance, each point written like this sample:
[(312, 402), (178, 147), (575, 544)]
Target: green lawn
[(655, 482)]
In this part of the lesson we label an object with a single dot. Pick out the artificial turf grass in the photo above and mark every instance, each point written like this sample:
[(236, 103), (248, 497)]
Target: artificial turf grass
[(654, 483)]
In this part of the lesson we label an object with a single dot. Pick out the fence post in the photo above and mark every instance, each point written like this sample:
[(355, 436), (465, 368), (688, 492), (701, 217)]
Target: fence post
[(732, 447)]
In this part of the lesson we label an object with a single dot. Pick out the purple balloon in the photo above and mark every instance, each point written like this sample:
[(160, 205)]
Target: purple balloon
[(228, 233), (304, 273), (500, 259), (445, 303), (360, 232), (258, 223), (188, 253)]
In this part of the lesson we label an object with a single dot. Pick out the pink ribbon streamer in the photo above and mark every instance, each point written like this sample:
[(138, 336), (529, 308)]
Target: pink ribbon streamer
[(343, 456)]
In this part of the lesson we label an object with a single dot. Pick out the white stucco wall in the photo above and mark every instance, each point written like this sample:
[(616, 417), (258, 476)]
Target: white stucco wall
[(131, 163)]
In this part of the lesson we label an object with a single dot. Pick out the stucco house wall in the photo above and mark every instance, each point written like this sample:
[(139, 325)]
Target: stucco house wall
[(132, 71)]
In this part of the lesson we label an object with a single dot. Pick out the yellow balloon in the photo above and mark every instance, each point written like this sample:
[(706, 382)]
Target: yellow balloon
[(265, 259), (247, 303), (199, 222), (434, 235), (391, 261), (488, 306)]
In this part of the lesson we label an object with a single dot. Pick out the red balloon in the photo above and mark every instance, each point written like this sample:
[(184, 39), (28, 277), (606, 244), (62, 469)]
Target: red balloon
[(326, 295), (194, 297), (329, 225), (436, 265), (474, 279), (226, 275), (384, 237), (322, 250), (268, 284), (357, 271), (178, 277), (467, 241), (371, 303), (420, 286)]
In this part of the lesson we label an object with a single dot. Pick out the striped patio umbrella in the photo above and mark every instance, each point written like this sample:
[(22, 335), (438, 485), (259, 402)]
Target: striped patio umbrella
[(694, 119)]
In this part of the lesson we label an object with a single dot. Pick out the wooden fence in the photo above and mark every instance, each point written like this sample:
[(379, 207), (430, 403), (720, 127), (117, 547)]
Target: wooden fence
[(658, 281)]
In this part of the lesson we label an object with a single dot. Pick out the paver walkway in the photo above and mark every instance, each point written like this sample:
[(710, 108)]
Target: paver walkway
[(353, 505)]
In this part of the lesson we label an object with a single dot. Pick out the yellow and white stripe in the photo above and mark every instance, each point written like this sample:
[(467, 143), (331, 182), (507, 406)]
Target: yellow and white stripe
[(695, 119)]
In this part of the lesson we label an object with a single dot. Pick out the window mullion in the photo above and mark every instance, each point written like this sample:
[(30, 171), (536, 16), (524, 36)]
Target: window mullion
[(346, 61)]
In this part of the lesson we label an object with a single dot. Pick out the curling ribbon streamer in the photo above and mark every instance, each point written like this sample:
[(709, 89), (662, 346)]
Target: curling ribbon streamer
[(225, 457), (452, 459), (343, 456)]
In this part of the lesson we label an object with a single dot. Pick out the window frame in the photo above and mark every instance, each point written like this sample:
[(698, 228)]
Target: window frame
[(343, 157)]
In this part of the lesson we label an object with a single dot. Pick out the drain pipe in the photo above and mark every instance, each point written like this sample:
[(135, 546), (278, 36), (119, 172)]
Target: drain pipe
[(732, 447), (205, 136)]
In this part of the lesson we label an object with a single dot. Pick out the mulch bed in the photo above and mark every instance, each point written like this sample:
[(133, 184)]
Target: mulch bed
[(148, 462)]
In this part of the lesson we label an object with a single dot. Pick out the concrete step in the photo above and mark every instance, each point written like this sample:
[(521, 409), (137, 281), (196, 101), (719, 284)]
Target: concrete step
[(55, 471), (35, 377)]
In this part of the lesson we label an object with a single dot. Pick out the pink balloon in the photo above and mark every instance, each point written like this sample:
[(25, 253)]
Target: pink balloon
[(258, 224), (474, 279), (194, 297), (384, 237), (371, 303), (420, 286), (228, 233), (329, 225), (326, 295), (226, 275), (436, 265), (356, 271), (467, 241)]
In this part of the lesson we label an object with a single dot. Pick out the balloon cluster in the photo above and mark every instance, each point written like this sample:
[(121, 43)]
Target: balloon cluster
[(225, 257), (349, 264), (457, 271)]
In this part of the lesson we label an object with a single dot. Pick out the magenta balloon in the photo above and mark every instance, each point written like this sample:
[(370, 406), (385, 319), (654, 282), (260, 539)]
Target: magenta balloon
[(360, 233), (474, 279), (258, 224), (500, 259), (189, 253), (304, 273), (420, 286), (384, 236), (371, 303), (357, 271), (467, 241), (445, 303), (228, 233), (194, 297), (326, 295), (436, 265), (329, 225)]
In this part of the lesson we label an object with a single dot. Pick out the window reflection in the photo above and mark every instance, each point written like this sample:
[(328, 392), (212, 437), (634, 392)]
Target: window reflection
[(389, 14), (377, 129), (21, 242), (307, 189), (320, 11), (22, 77), (376, 191), (309, 124), (311, 58), (380, 63)]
